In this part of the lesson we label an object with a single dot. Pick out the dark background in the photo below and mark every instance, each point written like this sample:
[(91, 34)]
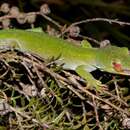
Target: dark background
[(66, 12)]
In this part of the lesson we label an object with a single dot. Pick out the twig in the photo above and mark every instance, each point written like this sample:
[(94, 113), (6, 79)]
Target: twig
[(53, 74), (101, 19), (76, 92), (102, 100), (96, 113), (91, 94), (94, 20), (19, 121), (116, 88), (52, 21), (31, 13), (90, 39), (26, 116), (119, 99)]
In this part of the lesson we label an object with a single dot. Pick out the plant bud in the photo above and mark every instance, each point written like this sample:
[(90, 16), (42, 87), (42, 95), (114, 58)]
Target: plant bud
[(14, 11), (5, 8), (21, 18), (6, 23), (44, 9), (31, 18), (74, 31)]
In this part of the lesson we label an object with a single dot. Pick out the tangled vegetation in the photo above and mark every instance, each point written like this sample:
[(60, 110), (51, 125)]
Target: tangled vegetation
[(38, 94)]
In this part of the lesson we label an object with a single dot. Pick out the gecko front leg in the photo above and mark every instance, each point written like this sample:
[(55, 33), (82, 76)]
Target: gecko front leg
[(91, 81)]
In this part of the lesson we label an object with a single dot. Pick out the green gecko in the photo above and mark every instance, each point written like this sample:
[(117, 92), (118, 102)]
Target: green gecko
[(83, 60)]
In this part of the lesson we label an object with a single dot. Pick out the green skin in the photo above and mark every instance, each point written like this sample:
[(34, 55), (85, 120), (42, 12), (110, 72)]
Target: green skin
[(81, 59)]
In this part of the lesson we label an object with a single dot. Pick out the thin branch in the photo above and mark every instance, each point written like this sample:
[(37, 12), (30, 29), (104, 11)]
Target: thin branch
[(31, 13), (96, 113), (110, 21), (90, 39)]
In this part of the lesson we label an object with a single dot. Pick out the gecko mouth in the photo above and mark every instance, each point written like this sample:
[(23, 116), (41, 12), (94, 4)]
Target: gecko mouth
[(126, 71)]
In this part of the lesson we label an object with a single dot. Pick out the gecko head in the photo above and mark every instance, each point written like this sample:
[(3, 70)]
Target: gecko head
[(115, 60), (121, 65)]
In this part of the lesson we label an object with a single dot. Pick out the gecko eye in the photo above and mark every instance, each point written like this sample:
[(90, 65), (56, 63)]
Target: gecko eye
[(117, 66)]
